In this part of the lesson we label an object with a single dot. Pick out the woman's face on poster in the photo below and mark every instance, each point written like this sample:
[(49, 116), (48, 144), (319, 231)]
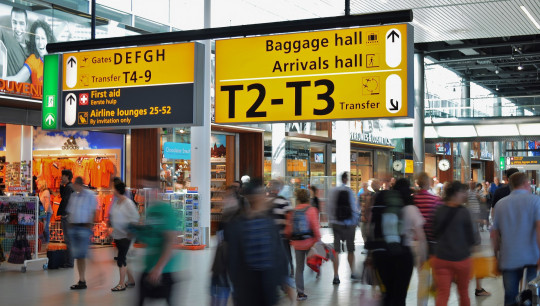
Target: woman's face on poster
[(41, 42)]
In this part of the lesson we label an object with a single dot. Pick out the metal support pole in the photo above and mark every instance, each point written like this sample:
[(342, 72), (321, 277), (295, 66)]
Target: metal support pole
[(465, 162), (466, 112), (347, 7), (93, 22), (418, 124)]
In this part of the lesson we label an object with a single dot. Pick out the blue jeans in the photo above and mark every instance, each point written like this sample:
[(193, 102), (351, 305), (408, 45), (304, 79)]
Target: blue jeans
[(46, 231), (511, 280), (79, 238)]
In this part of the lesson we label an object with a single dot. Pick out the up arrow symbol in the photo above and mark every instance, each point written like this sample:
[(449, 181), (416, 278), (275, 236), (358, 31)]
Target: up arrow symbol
[(393, 35), (71, 98), (49, 119), (72, 61)]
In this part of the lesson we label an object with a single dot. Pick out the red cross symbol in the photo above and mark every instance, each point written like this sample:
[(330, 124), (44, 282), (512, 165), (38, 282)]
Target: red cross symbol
[(83, 99)]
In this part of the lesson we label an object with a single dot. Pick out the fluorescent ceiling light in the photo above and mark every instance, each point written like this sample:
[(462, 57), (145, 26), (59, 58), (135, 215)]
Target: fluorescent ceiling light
[(430, 132), (497, 130), (468, 51), (526, 11), (425, 28), (456, 131), (529, 129)]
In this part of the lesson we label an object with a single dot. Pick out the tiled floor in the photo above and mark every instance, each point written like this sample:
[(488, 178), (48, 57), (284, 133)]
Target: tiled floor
[(51, 287)]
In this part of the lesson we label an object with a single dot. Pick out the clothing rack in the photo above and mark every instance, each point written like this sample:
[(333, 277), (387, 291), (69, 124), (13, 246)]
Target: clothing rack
[(77, 155)]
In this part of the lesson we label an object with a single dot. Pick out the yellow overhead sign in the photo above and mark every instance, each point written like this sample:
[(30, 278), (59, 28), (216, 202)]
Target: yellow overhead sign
[(325, 75), (409, 166), (140, 66)]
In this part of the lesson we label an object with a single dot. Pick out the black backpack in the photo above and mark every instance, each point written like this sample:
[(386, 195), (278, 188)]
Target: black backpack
[(343, 206), (301, 229)]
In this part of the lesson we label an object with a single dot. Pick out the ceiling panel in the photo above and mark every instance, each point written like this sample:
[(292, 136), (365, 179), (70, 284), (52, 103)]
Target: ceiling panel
[(460, 19)]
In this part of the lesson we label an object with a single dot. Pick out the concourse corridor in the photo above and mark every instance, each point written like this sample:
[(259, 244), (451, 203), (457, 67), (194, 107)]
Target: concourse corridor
[(51, 287)]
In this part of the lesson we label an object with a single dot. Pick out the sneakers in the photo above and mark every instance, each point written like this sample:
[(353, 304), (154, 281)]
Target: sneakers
[(301, 297), (481, 292), (336, 281)]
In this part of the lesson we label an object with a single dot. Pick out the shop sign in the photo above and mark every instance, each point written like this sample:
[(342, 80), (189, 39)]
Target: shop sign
[(349, 74), (70, 144), (409, 166), (297, 153), (151, 86), (174, 150), (17, 189), (370, 138)]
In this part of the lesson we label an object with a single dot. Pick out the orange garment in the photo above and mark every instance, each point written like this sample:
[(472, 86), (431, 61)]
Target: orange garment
[(80, 168), (67, 164), (37, 168), (107, 169), (56, 172), (47, 172), (95, 172)]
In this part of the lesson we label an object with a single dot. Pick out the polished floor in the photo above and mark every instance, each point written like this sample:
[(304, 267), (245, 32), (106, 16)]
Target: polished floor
[(51, 287)]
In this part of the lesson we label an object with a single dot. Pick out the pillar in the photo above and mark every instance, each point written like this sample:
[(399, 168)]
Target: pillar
[(496, 158), (343, 150), (18, 143), (200, 144), (278, 150), (497, 107), (466, 99), (419, 112), (465, 162)]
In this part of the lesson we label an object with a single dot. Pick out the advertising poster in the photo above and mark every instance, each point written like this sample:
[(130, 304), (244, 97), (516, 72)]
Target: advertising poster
[(24, 35), (218, 149)]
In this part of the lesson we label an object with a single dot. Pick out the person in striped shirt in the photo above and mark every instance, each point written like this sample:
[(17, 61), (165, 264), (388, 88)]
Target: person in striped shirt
[(427, 203), (279, 208)]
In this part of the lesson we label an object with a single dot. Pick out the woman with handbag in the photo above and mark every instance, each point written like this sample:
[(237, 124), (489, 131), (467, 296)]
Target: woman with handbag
[(454, 231)]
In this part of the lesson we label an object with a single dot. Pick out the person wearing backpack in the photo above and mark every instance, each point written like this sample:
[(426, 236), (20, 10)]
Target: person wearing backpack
[(303, 230), (343, 216), (395, 223)]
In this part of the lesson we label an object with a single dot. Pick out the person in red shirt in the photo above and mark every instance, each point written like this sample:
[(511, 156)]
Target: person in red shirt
[(303, 230)]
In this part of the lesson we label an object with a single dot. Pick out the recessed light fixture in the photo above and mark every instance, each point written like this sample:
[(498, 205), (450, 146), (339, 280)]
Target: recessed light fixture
[(526, 11), (497, 88), (497, 70), (520, 67)]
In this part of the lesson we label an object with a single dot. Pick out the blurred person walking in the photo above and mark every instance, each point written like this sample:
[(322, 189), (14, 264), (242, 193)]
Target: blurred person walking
[(395, 223), (516, 235), (160, 262), (503, 190), (303, 230), (45, 199), (454, 231), (122, 213), (366, 203), (81, 212), (474, 204), (427, 203), (256, 261), (315, 202), (279, 208), (343, 216), (66, 190)]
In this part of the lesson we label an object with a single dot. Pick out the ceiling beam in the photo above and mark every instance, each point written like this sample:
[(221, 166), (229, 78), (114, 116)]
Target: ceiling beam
[(480, 46), (483, 57)]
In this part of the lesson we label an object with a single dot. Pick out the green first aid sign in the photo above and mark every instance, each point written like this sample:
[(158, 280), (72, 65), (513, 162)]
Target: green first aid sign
[(50, 114)]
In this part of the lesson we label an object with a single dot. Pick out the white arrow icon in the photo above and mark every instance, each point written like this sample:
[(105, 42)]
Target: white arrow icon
[(49, 119)]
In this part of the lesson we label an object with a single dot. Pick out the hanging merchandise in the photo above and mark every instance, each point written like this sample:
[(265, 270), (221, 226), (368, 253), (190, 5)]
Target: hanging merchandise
[(20, 230)]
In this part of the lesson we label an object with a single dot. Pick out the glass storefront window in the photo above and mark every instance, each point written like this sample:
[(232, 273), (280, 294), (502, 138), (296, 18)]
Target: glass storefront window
[(175, 173)]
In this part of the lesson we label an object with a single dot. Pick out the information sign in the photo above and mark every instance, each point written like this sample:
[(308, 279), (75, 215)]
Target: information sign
[(325, 75), (151, 86)]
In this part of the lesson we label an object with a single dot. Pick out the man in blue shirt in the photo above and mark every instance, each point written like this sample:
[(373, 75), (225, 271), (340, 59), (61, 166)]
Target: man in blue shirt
[(516, 235), (81, 211), (344, 230)]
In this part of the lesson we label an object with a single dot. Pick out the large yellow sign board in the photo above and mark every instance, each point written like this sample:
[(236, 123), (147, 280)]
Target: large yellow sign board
[(129, 67), (325, 75)]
